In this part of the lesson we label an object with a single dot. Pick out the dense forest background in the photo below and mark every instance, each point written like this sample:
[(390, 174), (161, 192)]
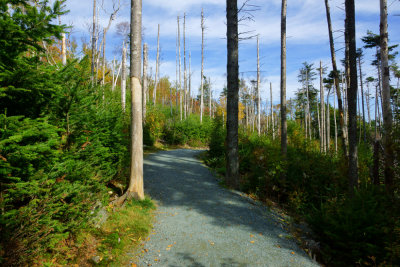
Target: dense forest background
[(65, 135)]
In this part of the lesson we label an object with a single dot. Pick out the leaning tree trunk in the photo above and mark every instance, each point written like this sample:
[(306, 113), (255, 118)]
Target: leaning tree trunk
[(386, 107), (157, 70), (144, 79), (343, 125), (350, 33), (202, 67), (135, 188), (232, 153), (283, 81)]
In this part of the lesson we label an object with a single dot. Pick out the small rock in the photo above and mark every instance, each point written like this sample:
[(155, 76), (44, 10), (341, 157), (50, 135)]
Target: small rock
[(96, 259)]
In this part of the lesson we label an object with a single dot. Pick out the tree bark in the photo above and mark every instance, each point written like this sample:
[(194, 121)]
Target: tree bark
[(283, 82), (135, 188), (336, 77), (232, 157), (334, 118), (386, 106), (352, 94)]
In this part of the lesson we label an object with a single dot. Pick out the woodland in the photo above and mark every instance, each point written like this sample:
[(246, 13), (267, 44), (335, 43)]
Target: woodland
[(74, 129)]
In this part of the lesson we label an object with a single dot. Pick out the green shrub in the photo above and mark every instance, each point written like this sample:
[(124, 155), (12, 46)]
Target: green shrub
[(353, 230)]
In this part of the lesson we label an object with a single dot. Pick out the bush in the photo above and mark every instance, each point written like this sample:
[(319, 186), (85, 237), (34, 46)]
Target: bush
[(353, 230)]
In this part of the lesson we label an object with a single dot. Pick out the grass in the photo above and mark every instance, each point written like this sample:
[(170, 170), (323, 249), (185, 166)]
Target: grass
[(113, 244), (123, 232)]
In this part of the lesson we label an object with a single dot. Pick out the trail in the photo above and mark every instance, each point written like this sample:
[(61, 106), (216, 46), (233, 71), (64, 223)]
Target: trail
[(199, 223)]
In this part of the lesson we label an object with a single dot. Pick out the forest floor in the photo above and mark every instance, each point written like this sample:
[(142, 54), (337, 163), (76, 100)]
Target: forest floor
[(200, 223)]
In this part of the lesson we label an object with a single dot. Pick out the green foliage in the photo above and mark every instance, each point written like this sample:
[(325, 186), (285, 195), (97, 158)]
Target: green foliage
[(353, 230), (186, 132), (314, 186), (153, 127)]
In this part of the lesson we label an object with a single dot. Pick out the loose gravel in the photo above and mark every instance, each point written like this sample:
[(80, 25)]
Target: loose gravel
[(200, 223)]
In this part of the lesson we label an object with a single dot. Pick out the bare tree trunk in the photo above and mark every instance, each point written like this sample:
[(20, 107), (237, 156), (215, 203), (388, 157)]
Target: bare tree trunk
[(144, 79), (272, 113), (368, 105), (328, 123), (63, 46), (93, 42), (334, 118), (113, 76), (352, 95), (258, 88), (184, 67), (123, 78), (308, 112), (232, 154), (321, 88), (104, 59), (157, 62), (386, 107), (283, 82), (135, 188), (180, 72), (335, 70), (202, 67), (209, 96), (190, 83), (362, 100)]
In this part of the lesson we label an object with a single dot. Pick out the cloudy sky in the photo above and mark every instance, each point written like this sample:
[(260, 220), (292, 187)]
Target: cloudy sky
[(306, 31)]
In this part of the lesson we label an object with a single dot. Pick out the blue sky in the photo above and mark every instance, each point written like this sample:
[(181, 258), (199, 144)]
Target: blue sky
[(306, 31)]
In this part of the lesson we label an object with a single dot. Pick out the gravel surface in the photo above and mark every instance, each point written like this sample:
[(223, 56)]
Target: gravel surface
[(199, 223)]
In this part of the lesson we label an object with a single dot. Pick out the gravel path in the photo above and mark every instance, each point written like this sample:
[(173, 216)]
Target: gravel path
[(199, 223)]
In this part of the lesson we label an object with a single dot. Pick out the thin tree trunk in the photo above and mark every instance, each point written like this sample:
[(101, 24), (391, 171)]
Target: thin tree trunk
[(123, 78), (184, 67), (180, 72), (343, 125), (135, 188), (232, 155), (190, 84), (209, 96), (308, 116), (322, 133), (63, 46), (113, 76), (352, 94), (258, 88), (328, 123), (334, 118), (368, 104), (386, 107), (202, 68), (157, 70), (362, 100), (283, 82), (144, 80), (272, 113), (93, 42)]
